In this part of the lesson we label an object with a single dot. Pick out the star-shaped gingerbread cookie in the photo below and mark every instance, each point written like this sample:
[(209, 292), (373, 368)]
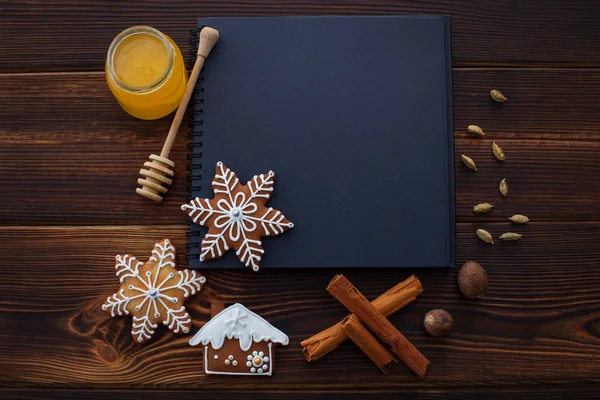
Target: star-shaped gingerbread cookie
[(237, 217), (153, 292)]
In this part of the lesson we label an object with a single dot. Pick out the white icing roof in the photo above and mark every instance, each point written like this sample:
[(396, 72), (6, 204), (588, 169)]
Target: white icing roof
[(237, 322)]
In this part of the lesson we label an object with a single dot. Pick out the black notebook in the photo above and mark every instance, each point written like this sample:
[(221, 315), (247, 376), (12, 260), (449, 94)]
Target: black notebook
[(354, 115)]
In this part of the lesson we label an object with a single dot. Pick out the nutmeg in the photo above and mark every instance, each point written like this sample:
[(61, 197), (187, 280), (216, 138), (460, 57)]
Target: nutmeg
[(438, 323), (472, 280)]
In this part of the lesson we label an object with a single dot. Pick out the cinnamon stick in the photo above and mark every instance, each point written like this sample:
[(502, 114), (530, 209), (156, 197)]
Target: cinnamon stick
[(368, 344), (349, 296), (388, 303)]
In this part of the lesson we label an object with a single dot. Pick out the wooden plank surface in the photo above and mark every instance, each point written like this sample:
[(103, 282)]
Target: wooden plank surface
[(547, 104), (69, 159), (69, 35), (539, 320), (74, 157), (546, 392)]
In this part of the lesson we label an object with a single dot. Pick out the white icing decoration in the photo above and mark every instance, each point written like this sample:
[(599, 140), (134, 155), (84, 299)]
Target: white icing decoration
[(258, 360), (235, 217), (237, 322), (227, 362), (236, 319), (212, 242), (216, 357), (272, 222), (251, 250), (235, 363), (125, 266), (152, 293), (249, 364), (177, 322), (261, 186), (265, 367), (196, 206), (252, 369), (143, 328), (230, 357), (163, 254)]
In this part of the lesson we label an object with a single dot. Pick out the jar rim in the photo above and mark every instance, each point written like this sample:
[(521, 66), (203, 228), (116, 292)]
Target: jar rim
[(137, 30)]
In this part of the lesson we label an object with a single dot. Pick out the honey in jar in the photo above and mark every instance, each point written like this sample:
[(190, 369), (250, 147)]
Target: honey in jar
[(145, 72)]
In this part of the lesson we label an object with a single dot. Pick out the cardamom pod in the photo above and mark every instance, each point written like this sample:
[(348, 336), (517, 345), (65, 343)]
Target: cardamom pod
[(497, 96), (485, 236), (476, 130), (498, 152), (503, 187), (519, 219), (511, 236), (468, 161), (482, 208)]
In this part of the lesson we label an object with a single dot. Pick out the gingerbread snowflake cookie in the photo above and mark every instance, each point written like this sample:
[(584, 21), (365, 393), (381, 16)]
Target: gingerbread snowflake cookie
[(237, 217), (153, 292)]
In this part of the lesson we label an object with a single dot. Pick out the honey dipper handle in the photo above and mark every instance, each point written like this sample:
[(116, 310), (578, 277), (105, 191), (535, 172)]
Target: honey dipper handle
[(208, 38)]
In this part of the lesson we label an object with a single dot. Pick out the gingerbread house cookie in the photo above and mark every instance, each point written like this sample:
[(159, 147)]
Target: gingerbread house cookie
[(239, 342)]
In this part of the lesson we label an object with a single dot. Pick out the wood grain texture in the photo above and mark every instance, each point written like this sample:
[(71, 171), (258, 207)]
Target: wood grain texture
[(538, 324), (534, 33), (81, 154), (53, 155), (542, 103), (547, 392), (535, 335), (542, 178)]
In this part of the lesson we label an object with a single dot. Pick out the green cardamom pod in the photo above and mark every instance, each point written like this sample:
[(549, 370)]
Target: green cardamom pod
[(485, 236), (497, 96), (482, 208), (511, 236), (503, 187), (476, 130), (498, 152), (468, 161), (519, 219)]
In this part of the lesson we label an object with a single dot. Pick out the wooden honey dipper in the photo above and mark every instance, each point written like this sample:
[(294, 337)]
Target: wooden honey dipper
[(158, 170)]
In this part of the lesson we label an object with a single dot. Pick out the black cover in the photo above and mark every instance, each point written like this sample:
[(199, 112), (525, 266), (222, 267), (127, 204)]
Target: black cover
[(354, 115)]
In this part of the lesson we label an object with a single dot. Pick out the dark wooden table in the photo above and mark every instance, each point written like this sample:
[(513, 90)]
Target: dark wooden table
[(69, 161)]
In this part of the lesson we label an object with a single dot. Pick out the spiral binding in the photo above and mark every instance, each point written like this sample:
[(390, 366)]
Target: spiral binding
[(194, 156)]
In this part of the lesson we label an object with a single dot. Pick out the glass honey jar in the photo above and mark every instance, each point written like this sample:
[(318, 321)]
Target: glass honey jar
[(145, 72)]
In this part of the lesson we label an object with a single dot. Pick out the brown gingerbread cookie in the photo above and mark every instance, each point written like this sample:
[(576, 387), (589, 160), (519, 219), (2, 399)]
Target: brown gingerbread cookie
[(238, 341), (237, 217), (153, 292)]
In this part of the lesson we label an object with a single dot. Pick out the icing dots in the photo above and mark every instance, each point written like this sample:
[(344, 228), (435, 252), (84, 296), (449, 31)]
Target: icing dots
[(258, 360)]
